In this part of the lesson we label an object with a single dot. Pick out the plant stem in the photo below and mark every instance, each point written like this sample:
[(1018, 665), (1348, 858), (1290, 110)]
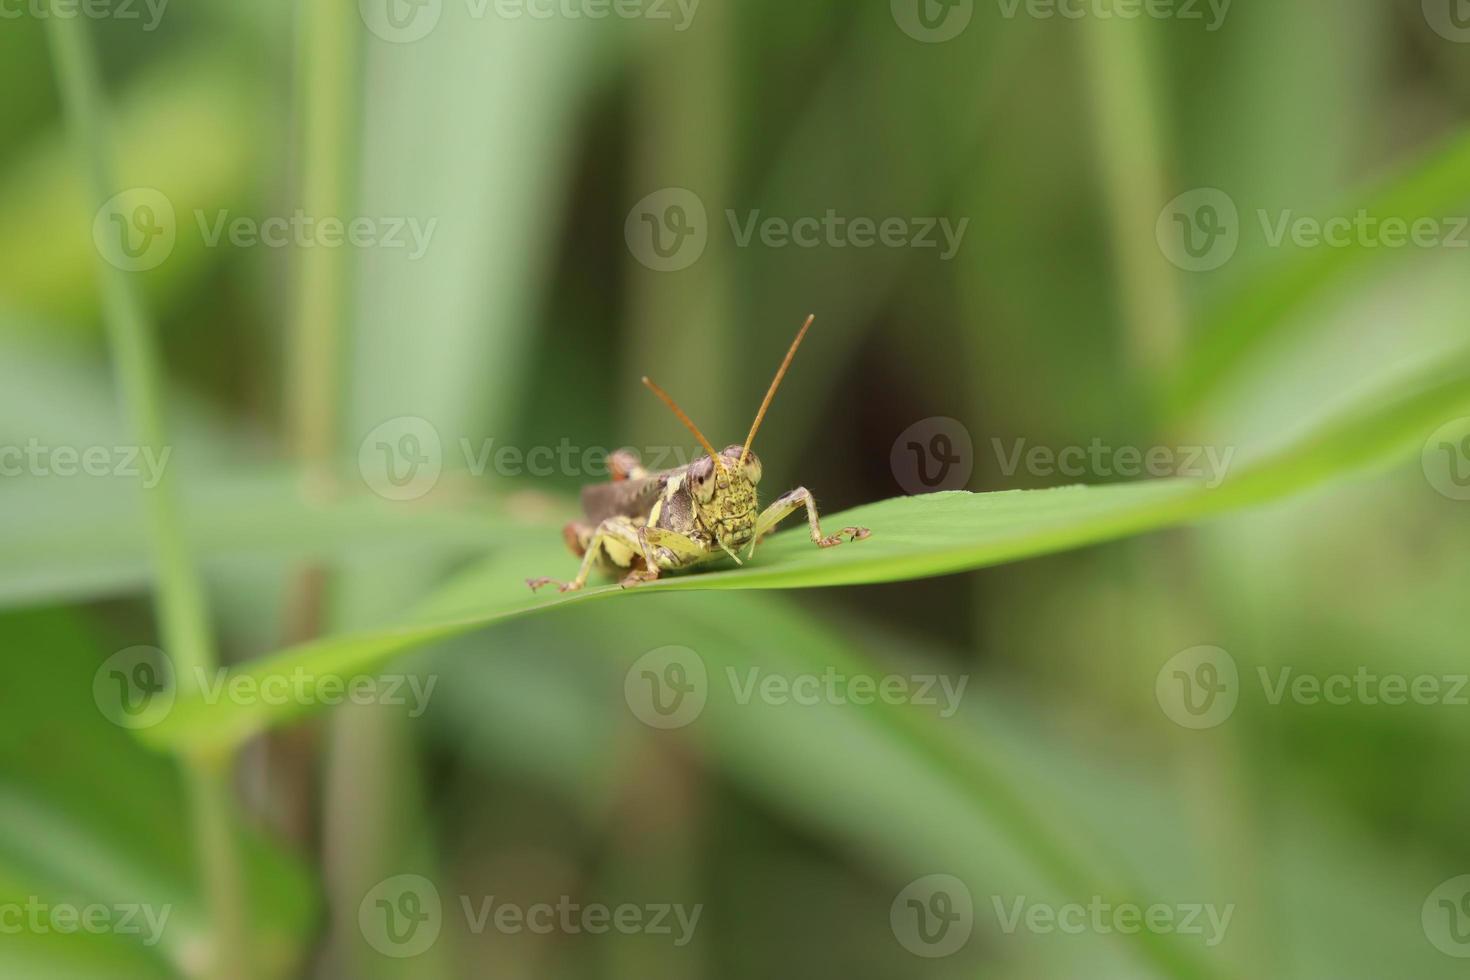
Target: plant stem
[(1130, 155), (179, 598), (325, 68)]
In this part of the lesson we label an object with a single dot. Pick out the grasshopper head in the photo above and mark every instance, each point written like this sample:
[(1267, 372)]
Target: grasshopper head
[(725, 495), (724, 482)]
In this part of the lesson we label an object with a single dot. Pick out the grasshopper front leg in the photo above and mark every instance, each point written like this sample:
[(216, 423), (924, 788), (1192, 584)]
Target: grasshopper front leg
[(663, 549), (783, 508)]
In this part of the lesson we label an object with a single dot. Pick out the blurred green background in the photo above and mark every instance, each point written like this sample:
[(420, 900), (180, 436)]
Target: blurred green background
[(583, 177)]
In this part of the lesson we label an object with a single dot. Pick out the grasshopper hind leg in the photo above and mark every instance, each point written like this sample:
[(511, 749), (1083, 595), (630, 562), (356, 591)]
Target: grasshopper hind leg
[(577, 536), (625, 465)]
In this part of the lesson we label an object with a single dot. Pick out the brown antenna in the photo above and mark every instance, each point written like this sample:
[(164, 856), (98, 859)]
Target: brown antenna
[(689, 423), (776, 383)]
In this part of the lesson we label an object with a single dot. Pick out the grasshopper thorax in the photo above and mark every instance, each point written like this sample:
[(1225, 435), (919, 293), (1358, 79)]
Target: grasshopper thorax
[(725, 495)]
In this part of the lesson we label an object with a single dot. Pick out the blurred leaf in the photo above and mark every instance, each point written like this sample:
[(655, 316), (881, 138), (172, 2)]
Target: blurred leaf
[(442, 337), (915, 791), (189, 126), (913, 537), (70, 539), (1434, 186), (109, 826)]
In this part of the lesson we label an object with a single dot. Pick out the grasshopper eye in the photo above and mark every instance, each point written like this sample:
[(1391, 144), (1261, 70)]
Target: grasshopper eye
[(703, 476), (752, 469)]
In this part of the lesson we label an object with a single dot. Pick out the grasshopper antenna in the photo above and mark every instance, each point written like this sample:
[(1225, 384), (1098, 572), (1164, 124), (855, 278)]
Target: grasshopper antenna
[(775, 383), (688, 422)]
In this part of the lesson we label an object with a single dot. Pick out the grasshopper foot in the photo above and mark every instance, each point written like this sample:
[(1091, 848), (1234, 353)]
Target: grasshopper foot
[(638, 578), (853, 534), (537, 583)]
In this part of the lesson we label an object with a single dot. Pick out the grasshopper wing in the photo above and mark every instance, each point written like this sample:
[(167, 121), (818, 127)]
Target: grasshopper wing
[(623, 498)]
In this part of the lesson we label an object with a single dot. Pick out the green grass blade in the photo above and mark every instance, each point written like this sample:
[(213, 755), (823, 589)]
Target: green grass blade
[(1435, 186), (180, 602), (86, 542), (913, 537)]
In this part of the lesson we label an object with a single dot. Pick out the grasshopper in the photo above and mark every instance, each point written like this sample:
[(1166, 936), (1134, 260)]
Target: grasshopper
[(648, 523)]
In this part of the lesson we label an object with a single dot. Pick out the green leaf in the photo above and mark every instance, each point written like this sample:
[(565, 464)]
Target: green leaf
[(1258, 311), (60, 846), (186, 125), (73, 540), (912, 537), (910, 789)]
